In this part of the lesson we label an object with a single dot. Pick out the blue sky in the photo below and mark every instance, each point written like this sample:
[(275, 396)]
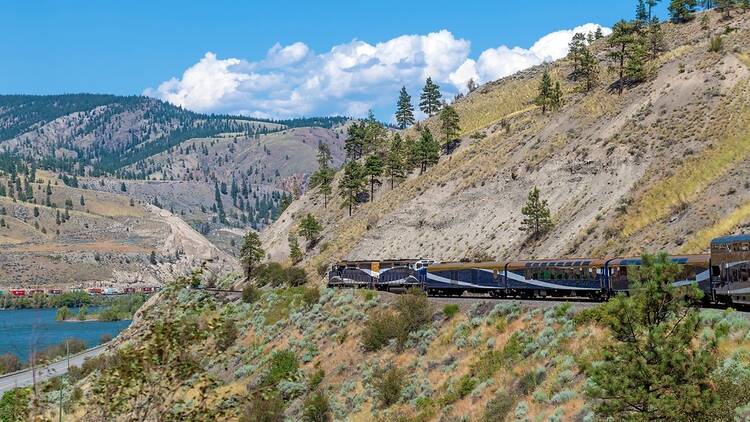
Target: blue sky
[(127, 47)]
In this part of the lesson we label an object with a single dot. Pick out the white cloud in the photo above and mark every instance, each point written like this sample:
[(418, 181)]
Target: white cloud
[(350, 78)]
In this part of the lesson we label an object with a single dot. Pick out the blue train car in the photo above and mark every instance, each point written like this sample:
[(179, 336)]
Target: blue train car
[(354, 274), (730, 269), (454, 279), (693, 269), (400, 274), (556, 277)]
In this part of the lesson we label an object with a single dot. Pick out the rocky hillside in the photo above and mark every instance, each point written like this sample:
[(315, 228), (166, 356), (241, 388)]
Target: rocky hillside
[(75, 237), (661, 167)]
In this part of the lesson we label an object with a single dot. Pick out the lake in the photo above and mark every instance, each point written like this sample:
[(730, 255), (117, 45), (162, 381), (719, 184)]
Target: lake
[(22, 328)]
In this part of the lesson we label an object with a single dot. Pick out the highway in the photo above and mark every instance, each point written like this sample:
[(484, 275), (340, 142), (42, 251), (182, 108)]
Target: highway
[(25, 378)]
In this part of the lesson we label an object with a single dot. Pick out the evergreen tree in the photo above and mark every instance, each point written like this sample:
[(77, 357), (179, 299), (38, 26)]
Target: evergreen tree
[(123, 188), (295, 253), (537, 219), (655, 38), (682, 10), (576, 46), (152, 258), (471, 85), (310, 229), (651, 4), (82, 201), (429, 101), (404, 110), (621, 40), (449, 125), (351, 184), (657, 367), (395, 162), (375, 136), (641, 14), (219, 204), (598, 34), (251, 253), (725, 7), (545, 92), (355, 141), (635, 67), (589, 69), (323, 178), (556, 98), (427, 150), (373, 169)]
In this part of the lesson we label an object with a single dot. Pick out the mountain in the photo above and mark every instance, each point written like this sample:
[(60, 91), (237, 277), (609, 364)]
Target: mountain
[(661, 167)]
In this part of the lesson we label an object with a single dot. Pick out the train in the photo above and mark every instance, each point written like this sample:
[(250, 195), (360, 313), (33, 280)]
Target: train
[(723, 275), (94, 291)]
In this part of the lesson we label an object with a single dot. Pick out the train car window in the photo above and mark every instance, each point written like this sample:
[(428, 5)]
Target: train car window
[(745, 246)]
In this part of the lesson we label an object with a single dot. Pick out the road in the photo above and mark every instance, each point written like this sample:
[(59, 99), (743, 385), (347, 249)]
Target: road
[(25, 378)]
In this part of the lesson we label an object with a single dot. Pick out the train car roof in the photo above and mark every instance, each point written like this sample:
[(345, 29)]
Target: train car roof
[(558, 262), (723, 240), (677, 259), (454, 266)]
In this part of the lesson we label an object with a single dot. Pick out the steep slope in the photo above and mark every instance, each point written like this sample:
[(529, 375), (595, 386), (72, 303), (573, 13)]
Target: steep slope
[(650, 169), (106, 240)]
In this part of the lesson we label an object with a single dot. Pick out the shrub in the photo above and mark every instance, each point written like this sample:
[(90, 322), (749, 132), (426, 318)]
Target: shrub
[(250, 294), (498, 407), (264, 408), (283, 365), (270, 274), (316, 408), (322, 269), (50, 353), (466, 385), (14, 405), (412, 312), (388, 385), (450, 310), (9, 363), (529, 381), (225, 334), (588, 316), (379, 329), (311, 295), (716, 45), (105, 338), (295, 276), (316, 378)]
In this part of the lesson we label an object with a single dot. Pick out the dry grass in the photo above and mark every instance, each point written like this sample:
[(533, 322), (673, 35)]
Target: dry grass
[(690, 178), (744, 58), (725, 225)]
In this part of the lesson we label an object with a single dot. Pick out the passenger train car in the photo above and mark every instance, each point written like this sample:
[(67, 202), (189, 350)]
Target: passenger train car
[(723, 275)]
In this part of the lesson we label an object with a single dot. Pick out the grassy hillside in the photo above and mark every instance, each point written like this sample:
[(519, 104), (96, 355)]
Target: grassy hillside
[(661, 167)]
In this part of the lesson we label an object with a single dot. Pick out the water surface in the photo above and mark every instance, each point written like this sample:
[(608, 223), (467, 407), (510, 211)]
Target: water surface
[(23, 330)]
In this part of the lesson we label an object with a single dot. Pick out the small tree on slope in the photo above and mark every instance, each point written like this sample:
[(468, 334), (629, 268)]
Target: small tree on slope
[(251, 253), (537, 219), (655, 368)]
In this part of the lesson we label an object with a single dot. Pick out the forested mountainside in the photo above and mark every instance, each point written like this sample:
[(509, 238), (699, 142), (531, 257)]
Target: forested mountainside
[(657, 160), (222, 174)]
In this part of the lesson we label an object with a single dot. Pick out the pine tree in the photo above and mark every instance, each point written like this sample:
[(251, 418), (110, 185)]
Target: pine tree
[(323, 178), (545, 92), (123, 188), (621, 40), (651, 4), (310, 229), (429, 101), (556, 98), (641, 14), (635, 67), (537, 219), (373, 169), (655, 38), (355, 141), (395, 162), (682, 10), (351, 184), (589, 69), (375, 136), (577, 44), (656, 368), (427, 150), (449, 125), (251, 253), (295, 253), (598, 34), (404, 110)]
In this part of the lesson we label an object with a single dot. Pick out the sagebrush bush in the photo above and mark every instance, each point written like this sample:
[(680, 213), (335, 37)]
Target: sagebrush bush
[(379, 329), (315, 379), (388, 384)]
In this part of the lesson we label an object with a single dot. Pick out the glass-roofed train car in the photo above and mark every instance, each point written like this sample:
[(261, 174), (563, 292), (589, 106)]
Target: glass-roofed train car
[(730, 267), (456, 278), (399, 274), (357, 274), (693, 269), (556, 277)]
